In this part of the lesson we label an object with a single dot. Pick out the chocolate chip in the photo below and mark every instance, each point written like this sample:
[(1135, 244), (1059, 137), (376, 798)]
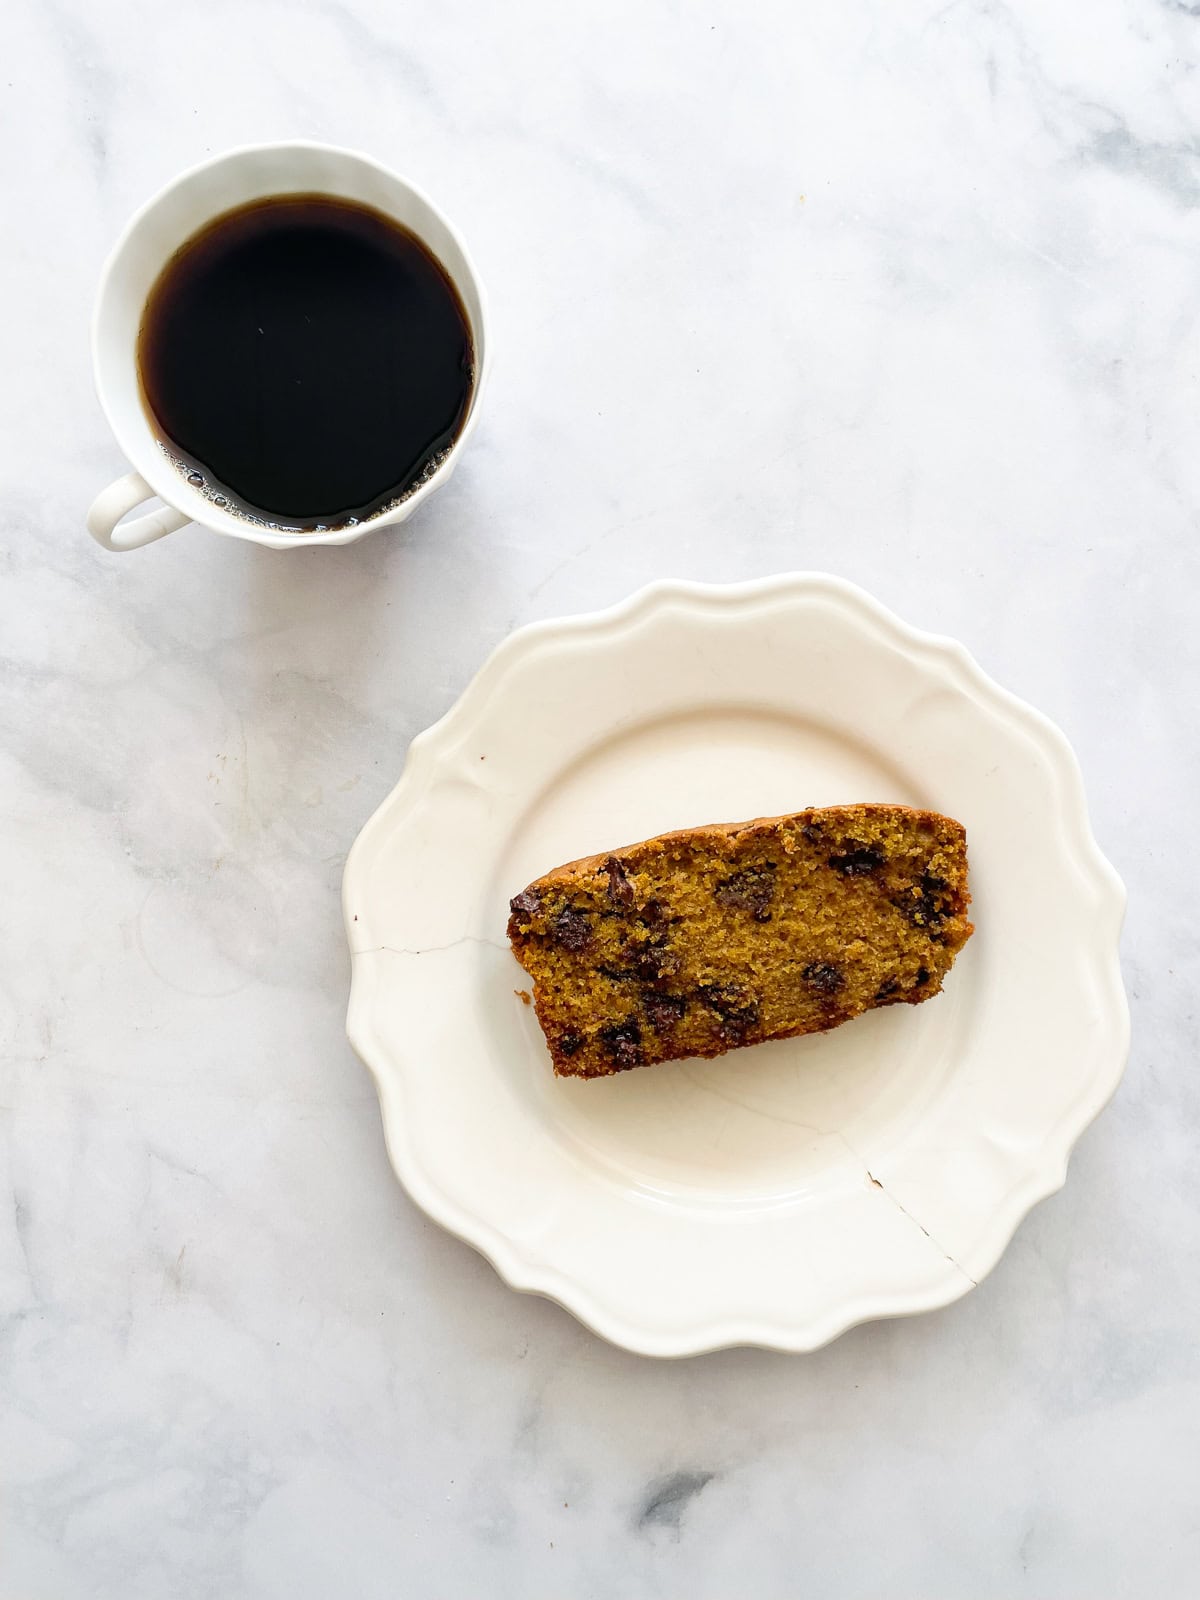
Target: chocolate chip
[(813, 832), (887, 988), (751, 890), (932, 884), (858, 860), (725, 999), (623, 1041), (526, 904), (922, 976), (620, 888), (736, 1007), (651, 961), (570, 1043), (923, 908), (653, 917), (648, 963), (572, 929), (663, 1011), (824, 977)]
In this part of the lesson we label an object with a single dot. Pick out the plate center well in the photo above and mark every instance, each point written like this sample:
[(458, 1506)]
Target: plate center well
[(766, 1124)]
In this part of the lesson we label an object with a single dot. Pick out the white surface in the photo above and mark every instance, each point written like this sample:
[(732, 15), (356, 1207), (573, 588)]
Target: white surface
[(148, 241), (888, 1162), (963, 370)]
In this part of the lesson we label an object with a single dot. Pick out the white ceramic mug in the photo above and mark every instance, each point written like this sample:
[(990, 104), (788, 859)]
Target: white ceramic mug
[(147, 244)]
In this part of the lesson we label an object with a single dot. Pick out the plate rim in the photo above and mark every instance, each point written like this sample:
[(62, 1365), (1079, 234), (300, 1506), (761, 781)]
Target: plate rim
[(946, 658)]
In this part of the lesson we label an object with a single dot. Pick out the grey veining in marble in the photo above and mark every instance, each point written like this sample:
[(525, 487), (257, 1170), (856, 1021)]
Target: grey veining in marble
[(908, 292)]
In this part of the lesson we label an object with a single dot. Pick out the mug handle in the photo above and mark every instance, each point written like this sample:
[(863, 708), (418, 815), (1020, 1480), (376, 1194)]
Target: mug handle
[(115, 502)]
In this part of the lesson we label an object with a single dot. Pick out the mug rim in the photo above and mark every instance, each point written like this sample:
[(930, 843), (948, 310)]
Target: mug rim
[(144, 453)]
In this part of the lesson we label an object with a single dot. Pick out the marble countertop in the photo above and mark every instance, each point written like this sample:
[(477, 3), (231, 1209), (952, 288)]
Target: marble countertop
[(905, 293)]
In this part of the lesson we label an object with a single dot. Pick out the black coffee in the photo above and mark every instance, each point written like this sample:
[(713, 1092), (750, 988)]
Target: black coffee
[(306, 360)]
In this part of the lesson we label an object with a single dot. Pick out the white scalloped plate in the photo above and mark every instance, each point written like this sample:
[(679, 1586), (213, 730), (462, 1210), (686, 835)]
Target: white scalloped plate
[(780, 1194)]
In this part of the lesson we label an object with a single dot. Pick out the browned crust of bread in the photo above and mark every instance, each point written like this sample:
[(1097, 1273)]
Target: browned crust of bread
[(584, 866)]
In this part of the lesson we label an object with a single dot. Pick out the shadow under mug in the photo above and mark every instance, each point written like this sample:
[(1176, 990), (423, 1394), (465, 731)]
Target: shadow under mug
[(151, 238)]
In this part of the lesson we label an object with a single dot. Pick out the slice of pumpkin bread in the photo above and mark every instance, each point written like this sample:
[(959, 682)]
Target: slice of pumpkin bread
[(696, 942)]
